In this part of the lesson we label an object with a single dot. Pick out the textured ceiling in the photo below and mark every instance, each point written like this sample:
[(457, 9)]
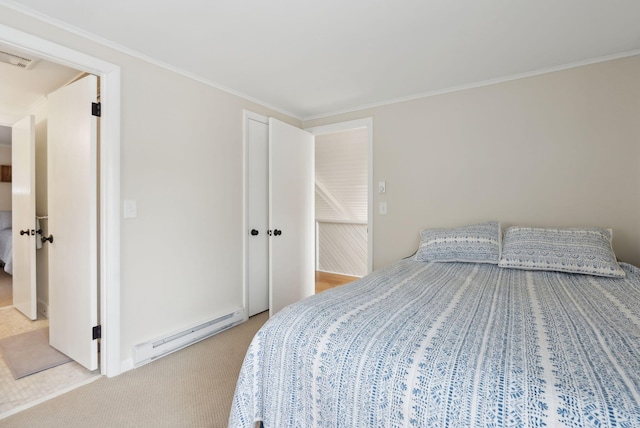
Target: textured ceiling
[(312, 58)]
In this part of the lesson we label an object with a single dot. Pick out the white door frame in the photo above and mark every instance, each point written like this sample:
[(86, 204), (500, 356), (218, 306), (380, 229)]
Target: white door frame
[(109, 198), (346, 126)]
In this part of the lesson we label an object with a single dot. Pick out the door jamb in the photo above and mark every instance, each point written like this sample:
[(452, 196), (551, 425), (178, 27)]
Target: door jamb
[(109, 198), (346, 126)]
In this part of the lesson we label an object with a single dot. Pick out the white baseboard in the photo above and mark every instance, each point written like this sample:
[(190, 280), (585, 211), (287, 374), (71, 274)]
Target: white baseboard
[(126, 365)]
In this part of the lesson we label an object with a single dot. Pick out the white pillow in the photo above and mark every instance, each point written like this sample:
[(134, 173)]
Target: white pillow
[(574, 250), (478, 243)]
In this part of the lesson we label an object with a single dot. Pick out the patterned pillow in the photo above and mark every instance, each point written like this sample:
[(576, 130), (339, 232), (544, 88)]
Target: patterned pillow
[(586, 250), (478, 243)]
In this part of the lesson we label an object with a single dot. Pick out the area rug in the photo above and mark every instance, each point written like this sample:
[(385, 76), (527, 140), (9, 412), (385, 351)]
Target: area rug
[(30, 353)]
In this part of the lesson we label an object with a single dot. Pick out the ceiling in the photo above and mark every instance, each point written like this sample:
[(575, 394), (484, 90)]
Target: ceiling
[(313, 58), (21, 89)]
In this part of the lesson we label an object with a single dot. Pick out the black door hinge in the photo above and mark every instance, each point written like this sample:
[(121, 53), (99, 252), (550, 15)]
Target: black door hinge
[(97, 332), (96, 109)]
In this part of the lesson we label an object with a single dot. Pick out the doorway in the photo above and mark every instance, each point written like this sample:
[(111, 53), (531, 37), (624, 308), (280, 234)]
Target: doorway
[(344, 228), (341, 202), (42, 193), (109, 190)]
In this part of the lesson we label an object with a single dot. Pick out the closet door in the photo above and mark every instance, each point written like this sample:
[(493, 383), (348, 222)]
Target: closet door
[(257, 206), (291, 215)]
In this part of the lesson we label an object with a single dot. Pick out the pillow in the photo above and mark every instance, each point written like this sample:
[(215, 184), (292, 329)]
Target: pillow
[(5, 220), (586, 251), (478, 243)]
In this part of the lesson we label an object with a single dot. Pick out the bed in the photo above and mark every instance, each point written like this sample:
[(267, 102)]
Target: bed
[(6, 242), (539, 330)]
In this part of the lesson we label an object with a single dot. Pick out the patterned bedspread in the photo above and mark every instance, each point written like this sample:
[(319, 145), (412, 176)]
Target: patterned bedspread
[(450, 344)]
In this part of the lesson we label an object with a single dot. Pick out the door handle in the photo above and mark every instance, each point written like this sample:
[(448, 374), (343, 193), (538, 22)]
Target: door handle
[(254, 232), (47, 239), (277, 232), (24, 232)]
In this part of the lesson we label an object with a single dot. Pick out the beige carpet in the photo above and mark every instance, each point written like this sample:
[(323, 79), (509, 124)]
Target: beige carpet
[(189, 388)]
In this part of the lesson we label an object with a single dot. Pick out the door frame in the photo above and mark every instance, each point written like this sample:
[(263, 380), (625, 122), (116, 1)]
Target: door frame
[(347, 126), (109, 192)]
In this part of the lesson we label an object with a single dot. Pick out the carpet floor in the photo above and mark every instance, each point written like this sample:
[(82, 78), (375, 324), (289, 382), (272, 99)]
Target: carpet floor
[(190, 388)]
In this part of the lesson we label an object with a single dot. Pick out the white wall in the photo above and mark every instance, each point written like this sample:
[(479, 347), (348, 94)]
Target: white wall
[(181, 160), (559, 149)]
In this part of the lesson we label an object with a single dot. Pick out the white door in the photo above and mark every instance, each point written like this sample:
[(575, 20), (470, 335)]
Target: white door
[(257, 151), (72, 205), (291, 215), (24, 216)]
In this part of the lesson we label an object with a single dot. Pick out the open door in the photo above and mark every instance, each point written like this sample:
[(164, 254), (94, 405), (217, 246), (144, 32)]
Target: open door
[(24, 216), (73, 219), (291, 215)]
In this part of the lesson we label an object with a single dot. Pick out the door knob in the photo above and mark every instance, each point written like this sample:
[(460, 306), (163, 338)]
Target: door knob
[(277, 232), (24, 232), (254, 232)]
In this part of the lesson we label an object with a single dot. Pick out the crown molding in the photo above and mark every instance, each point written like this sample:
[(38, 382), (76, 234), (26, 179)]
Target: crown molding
[(479, 84), (135, 54)]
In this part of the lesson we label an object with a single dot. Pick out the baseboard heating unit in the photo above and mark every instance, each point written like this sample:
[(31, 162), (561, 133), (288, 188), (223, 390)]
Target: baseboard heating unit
[(149, 351)]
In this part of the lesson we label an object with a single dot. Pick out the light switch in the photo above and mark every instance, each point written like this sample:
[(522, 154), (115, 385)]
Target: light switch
[(130, 209), (383, 208), (382, 187)]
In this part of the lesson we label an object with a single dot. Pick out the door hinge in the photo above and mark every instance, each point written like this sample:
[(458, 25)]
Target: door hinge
[(97, 332), (96, 109)]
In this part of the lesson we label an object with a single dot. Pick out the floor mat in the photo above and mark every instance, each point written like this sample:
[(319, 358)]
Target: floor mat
[(29, 353)]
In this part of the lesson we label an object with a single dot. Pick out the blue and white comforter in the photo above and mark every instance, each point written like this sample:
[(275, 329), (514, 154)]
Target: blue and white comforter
[(450, 344)]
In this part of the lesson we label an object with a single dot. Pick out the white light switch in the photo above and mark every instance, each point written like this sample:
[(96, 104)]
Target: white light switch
[(383, 207), (382, 187), (130, 209)]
